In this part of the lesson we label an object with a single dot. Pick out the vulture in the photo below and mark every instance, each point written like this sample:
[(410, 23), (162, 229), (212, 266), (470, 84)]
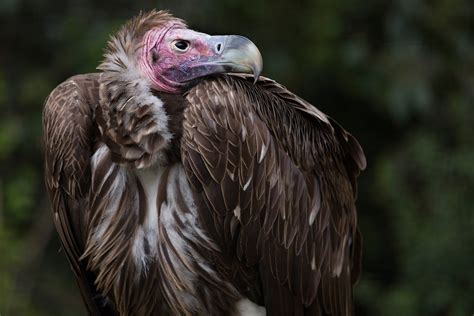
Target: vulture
[(184, 183)]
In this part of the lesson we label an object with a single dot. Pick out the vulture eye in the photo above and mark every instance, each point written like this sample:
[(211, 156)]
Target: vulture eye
[(181, 45)]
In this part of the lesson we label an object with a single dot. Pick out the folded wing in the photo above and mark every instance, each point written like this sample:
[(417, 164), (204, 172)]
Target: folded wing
[(69, 132), (275, 185)]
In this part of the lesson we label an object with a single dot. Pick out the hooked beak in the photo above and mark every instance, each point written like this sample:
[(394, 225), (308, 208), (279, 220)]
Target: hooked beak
[(225, 54), (237, 55)]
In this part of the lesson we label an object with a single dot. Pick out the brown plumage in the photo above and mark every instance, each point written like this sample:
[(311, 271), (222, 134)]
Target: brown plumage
[(187, 203)]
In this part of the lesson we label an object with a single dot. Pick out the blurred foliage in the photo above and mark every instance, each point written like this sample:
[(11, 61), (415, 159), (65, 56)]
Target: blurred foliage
[(398, 74)]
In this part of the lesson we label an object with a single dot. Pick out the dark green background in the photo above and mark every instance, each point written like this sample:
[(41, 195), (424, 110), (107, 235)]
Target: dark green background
[(398, 74)]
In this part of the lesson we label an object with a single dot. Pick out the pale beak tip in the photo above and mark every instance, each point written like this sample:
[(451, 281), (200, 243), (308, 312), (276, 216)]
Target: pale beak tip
[(255, 77), (257, 69)]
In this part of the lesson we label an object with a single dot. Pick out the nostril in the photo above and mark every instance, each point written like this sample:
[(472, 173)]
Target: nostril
[(218, 47)]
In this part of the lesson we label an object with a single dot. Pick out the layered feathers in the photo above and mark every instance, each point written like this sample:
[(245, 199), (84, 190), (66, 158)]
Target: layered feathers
[(274, 178)]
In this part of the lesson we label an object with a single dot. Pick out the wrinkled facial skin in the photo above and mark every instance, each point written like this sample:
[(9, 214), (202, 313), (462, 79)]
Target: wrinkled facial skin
[(174, 56)]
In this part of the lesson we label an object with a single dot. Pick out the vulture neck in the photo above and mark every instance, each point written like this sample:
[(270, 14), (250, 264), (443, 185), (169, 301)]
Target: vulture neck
[(133, 120)]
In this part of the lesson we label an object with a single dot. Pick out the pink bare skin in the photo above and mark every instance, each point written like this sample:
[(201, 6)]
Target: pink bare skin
[(174, 56)]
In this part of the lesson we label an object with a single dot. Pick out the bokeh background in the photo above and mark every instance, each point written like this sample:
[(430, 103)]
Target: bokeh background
[(398, 74)]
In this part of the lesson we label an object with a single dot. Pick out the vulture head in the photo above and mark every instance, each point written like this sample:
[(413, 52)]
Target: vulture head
[(148, 66), (164, 52)]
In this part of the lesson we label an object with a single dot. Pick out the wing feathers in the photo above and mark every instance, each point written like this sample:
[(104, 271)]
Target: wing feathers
[(68, 132), (278, 176)]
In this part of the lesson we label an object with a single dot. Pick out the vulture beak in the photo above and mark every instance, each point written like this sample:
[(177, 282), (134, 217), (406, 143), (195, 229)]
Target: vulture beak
[(236, 54), (218, 54)]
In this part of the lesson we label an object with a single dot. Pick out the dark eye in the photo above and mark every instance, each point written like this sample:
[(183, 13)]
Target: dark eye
[(181, 45)]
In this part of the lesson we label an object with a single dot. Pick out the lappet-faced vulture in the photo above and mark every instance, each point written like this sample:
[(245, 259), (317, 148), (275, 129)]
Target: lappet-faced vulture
[(183, 183)]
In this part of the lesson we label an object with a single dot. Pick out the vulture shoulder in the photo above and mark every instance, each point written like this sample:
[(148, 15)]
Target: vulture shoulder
[(275, 182), (69, 132)]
